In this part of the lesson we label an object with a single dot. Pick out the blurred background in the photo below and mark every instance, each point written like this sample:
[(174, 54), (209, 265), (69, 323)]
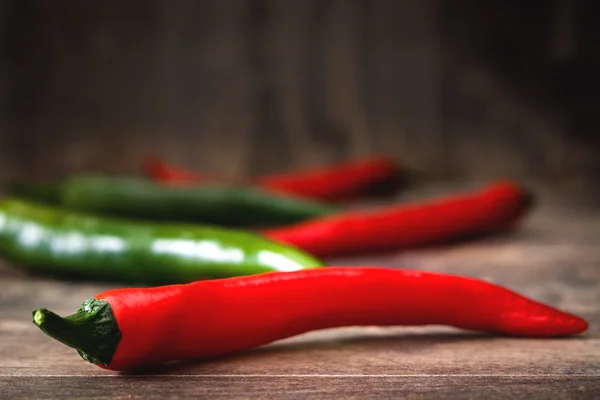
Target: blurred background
[(462, 90)]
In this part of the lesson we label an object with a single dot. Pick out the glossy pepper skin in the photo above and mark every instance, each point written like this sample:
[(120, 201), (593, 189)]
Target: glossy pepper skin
[(125, 329), (219, 204), (333, 183), (60, 242), (494, 208)]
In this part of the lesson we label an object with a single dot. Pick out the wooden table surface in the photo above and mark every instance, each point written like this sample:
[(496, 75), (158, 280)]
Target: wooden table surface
[(554, 258)]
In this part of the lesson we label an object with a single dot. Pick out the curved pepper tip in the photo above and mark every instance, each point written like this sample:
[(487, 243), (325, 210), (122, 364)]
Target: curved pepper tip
[(568, 325), (580, 325), (521, 198)]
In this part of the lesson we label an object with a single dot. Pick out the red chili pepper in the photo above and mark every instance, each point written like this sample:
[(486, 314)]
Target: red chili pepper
[(494, 208), (165, 173), (127, 328), (332, 183), (337, 182)]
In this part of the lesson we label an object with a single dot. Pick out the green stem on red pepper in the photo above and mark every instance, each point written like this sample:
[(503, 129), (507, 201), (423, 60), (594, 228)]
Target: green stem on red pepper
[(92, 330)]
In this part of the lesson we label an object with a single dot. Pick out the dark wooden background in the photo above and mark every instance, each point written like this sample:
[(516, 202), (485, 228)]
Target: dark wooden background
[(463, 90), (460, 89)]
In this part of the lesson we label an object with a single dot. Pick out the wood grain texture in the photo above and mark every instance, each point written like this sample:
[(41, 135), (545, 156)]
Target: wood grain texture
[(552, 258), (255, 86), (198, 387)]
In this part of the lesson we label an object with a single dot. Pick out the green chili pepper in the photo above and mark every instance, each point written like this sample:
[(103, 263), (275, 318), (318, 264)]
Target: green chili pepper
[(211, 203), (43, 238)]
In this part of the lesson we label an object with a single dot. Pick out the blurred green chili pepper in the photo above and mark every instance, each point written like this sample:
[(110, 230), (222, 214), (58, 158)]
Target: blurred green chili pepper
[(138, 198)]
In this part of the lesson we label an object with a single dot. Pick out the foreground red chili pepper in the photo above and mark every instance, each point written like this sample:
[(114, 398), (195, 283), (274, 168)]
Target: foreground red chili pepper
[(127, 328), (332, 183), (493, 208)]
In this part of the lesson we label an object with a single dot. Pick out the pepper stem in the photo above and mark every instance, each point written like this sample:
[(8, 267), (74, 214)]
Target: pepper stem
[(92, 330)]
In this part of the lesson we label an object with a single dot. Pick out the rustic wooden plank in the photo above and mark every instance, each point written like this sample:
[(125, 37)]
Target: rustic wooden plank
[(256, 86), (288, 50), (553, 258), (489, 120), (223, 87), (232, 387), (343, 95), (404, 82)]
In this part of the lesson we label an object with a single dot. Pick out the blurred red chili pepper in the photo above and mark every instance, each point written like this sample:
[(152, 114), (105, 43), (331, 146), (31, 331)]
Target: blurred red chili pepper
[(331, 183), (124, 329), (493, 208), (162, 172)]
